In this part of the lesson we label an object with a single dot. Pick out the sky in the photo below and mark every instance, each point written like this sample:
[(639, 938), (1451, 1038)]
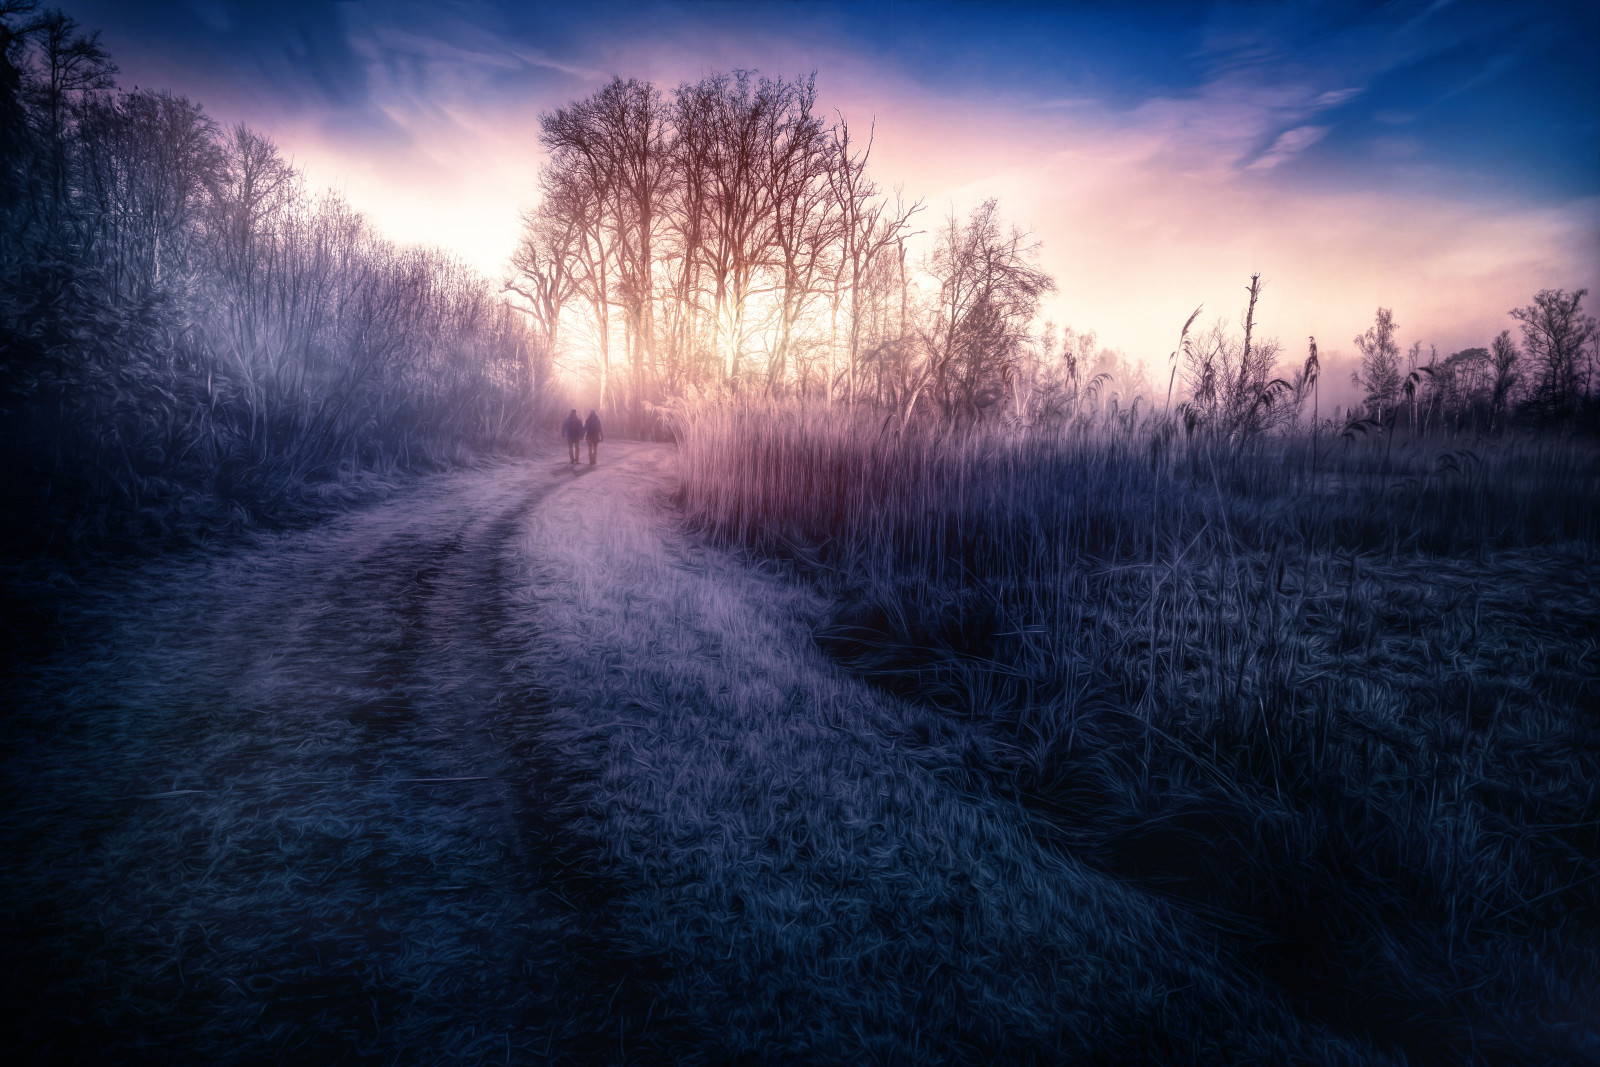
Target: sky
[(1438, 158)]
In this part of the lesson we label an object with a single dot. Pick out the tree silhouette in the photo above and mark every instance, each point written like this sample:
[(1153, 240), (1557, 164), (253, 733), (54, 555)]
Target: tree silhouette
[(1379, 374), (1557, 337)]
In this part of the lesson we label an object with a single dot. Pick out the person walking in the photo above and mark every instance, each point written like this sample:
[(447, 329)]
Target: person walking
[(591, 431), (572, 430)]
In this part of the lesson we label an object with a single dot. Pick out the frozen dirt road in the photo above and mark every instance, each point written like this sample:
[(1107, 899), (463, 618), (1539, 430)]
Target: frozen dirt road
[(280, 803), (276, 803), (507, 769)]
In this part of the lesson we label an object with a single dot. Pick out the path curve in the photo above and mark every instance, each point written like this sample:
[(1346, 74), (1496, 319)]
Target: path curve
[(281, 802), (510, 770)]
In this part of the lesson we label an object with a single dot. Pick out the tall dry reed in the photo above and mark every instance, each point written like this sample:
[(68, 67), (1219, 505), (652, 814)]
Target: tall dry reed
[(1341, 703)]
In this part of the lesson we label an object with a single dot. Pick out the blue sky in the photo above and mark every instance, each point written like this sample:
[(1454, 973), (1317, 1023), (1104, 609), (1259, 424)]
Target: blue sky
[(1443, 158)]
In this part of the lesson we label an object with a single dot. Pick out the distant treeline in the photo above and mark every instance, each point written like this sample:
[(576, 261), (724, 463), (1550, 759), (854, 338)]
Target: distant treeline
[(1548, 381), (728, 234), (190, 337), (1234, 383)]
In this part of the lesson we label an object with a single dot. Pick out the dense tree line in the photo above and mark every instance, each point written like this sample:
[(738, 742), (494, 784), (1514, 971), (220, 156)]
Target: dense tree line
[(1549, 380), (729, 234), (188, 332)]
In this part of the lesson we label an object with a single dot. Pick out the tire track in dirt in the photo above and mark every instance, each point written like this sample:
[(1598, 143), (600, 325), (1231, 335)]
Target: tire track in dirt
[(298, 810)]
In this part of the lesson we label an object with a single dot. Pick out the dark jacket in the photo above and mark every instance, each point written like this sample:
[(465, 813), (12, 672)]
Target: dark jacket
[(591, 427), (572, 429)]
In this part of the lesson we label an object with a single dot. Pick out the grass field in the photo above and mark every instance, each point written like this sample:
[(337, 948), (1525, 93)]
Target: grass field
[(1335, 700), (957, 750)]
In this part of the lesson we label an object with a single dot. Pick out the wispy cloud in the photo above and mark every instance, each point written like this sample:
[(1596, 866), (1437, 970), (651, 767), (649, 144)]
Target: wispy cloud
[(1289, 144)]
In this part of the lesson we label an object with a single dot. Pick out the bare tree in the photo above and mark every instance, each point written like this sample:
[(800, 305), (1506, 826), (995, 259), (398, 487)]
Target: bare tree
[(148, 161), (542, 275), (683, 253), (577, 188), (207, 327), (17, 28), (629, 127), (988, 294), (868, 227), (1379, 374), (74, 63), (758, 247), (805, 216), (1504, 358), (252, 184), (743, 114), (1556, 336)]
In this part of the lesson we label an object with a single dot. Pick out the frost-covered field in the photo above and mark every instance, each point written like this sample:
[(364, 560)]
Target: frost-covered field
[(1333, 698), (513, 769), (815, 867)]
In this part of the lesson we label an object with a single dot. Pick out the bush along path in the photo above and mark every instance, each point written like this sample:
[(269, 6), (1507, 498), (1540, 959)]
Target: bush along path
[(508, 770)]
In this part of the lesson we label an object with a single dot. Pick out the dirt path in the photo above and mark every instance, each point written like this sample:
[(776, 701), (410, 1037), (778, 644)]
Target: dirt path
[(510, 770), (274, 804)]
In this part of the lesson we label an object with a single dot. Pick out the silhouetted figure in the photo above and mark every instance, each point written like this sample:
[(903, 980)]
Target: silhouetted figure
[(572, 430), (591, 431)]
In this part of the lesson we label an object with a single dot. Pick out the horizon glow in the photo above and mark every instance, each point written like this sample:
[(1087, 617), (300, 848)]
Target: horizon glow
[(1439, 159)]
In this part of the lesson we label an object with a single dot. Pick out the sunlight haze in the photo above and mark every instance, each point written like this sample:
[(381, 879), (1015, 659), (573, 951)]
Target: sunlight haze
[(1353, 156)]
